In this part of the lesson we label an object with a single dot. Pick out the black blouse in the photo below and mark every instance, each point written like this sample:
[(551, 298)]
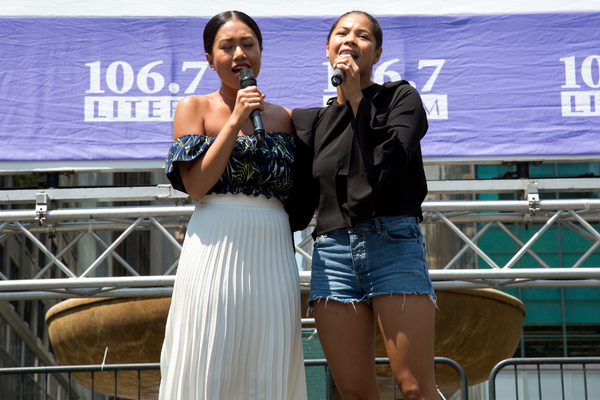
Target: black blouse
[(360, 167)]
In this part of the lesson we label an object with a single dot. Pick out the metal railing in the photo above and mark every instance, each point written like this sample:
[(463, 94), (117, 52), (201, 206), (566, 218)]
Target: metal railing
[(76, 223), (537, 371), (576, 215), (69, 370), (93, 370)]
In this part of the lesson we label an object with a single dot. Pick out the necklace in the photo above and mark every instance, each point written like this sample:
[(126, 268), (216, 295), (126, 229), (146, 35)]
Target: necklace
[(224, 95)]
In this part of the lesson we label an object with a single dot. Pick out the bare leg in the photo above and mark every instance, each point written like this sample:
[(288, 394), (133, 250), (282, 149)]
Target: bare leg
[(347, 335), (407, 325)]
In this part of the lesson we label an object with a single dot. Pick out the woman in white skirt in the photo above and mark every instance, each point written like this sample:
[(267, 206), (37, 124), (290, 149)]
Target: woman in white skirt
[(233, 330)]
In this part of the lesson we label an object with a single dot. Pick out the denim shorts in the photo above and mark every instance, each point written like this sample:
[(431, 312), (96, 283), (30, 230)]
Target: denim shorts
[(384, 255)]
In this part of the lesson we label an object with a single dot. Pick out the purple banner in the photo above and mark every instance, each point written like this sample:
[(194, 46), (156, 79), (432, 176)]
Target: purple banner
[(95, 89)]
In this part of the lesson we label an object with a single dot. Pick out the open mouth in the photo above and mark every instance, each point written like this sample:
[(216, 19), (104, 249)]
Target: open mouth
[(352, 52), (236, 69)]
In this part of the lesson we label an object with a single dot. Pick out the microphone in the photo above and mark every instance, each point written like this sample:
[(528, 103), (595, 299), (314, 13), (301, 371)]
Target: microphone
[(338, 75), (247, 79)]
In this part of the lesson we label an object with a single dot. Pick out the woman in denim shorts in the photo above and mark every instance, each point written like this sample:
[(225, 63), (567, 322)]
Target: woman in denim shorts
[(365, 172)]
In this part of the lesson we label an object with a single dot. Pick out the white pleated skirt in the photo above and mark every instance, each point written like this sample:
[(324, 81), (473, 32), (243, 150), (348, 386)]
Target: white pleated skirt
[(234, 330)]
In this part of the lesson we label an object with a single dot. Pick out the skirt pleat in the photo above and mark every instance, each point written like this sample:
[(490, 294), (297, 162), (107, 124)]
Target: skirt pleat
[(233, 330)]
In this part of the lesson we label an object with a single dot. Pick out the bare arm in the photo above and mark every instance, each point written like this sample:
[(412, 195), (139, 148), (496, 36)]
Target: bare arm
[(201, 174), (278, 119)]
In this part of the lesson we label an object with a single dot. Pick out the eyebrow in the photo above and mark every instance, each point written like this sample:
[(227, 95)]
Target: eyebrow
[(229, 39), (361, 30)]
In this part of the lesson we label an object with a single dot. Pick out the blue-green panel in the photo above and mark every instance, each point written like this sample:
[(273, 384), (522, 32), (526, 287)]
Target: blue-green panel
[(547, 242), (553, 260), (526, 234), (574, 169), (558, 246), (570, 259), (540, 294), (527, 261), (582, 305), (496, 240), (512, 292), (318, 381), (543, 306), (543, 312), (542, 171), (487, 196), (592, 294), (491, 171), (582, 312), (572, 241), (593, 261), (499, 259)]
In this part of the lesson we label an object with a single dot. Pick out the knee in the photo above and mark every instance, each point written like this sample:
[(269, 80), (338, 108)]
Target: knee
[(412, 391)]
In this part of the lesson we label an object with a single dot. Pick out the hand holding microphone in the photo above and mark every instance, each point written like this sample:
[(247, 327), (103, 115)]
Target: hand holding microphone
[(247, 79), (338, 75)]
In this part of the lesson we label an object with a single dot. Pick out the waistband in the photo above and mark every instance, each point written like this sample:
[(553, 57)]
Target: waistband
[(229, 199), (376, 224)]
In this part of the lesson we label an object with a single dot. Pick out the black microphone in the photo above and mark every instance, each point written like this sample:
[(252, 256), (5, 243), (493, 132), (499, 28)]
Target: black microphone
[(247, 79), (338, 75)]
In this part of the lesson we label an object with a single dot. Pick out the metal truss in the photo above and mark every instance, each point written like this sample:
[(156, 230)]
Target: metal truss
[(575, 214)]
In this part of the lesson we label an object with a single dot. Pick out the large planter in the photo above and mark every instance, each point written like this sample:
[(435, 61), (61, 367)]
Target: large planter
[(133, 329), (477, 328)]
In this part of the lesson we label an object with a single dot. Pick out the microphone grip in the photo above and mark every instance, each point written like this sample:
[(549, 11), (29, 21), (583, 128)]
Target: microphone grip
[(338, 75), (248, 79), (258, 127)]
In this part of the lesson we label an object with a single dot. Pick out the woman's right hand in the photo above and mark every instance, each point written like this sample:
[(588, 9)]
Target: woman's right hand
[(350, 89), (248, 100)]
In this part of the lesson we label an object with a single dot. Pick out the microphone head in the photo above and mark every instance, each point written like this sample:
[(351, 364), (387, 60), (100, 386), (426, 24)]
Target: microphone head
[(337, 79), (247, 78)]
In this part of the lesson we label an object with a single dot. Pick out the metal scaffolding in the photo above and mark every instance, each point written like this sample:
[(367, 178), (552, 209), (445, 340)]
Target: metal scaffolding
[(39, 214)]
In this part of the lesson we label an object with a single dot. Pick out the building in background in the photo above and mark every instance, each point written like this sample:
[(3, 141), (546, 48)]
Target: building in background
[(24, 340), (560, 322)]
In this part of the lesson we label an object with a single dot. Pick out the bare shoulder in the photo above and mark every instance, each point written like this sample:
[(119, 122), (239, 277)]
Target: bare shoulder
[(189, 115), (278, 119), (193, 103)]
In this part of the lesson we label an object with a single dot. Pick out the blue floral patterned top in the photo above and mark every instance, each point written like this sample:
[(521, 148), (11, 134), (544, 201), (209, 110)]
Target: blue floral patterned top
[(252, 169)]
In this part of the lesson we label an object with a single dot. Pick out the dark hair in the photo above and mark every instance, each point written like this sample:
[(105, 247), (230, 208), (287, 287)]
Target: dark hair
[(216, 22), (377, 32)]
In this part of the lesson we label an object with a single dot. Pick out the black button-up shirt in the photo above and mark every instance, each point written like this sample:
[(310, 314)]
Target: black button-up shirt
[(360, 167)]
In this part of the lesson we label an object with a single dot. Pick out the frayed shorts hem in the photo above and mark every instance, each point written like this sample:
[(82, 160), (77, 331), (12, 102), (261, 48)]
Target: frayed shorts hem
[(380, 256), (367, 299)]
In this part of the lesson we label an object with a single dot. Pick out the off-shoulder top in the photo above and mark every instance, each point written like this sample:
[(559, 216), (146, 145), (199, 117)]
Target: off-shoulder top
[(252, 169)]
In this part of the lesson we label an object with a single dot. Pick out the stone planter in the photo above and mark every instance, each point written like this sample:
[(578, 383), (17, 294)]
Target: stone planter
[(476, 328), (133, 329)]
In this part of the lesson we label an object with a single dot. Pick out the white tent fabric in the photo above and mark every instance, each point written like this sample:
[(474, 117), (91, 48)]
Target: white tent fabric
[(198, 8)]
